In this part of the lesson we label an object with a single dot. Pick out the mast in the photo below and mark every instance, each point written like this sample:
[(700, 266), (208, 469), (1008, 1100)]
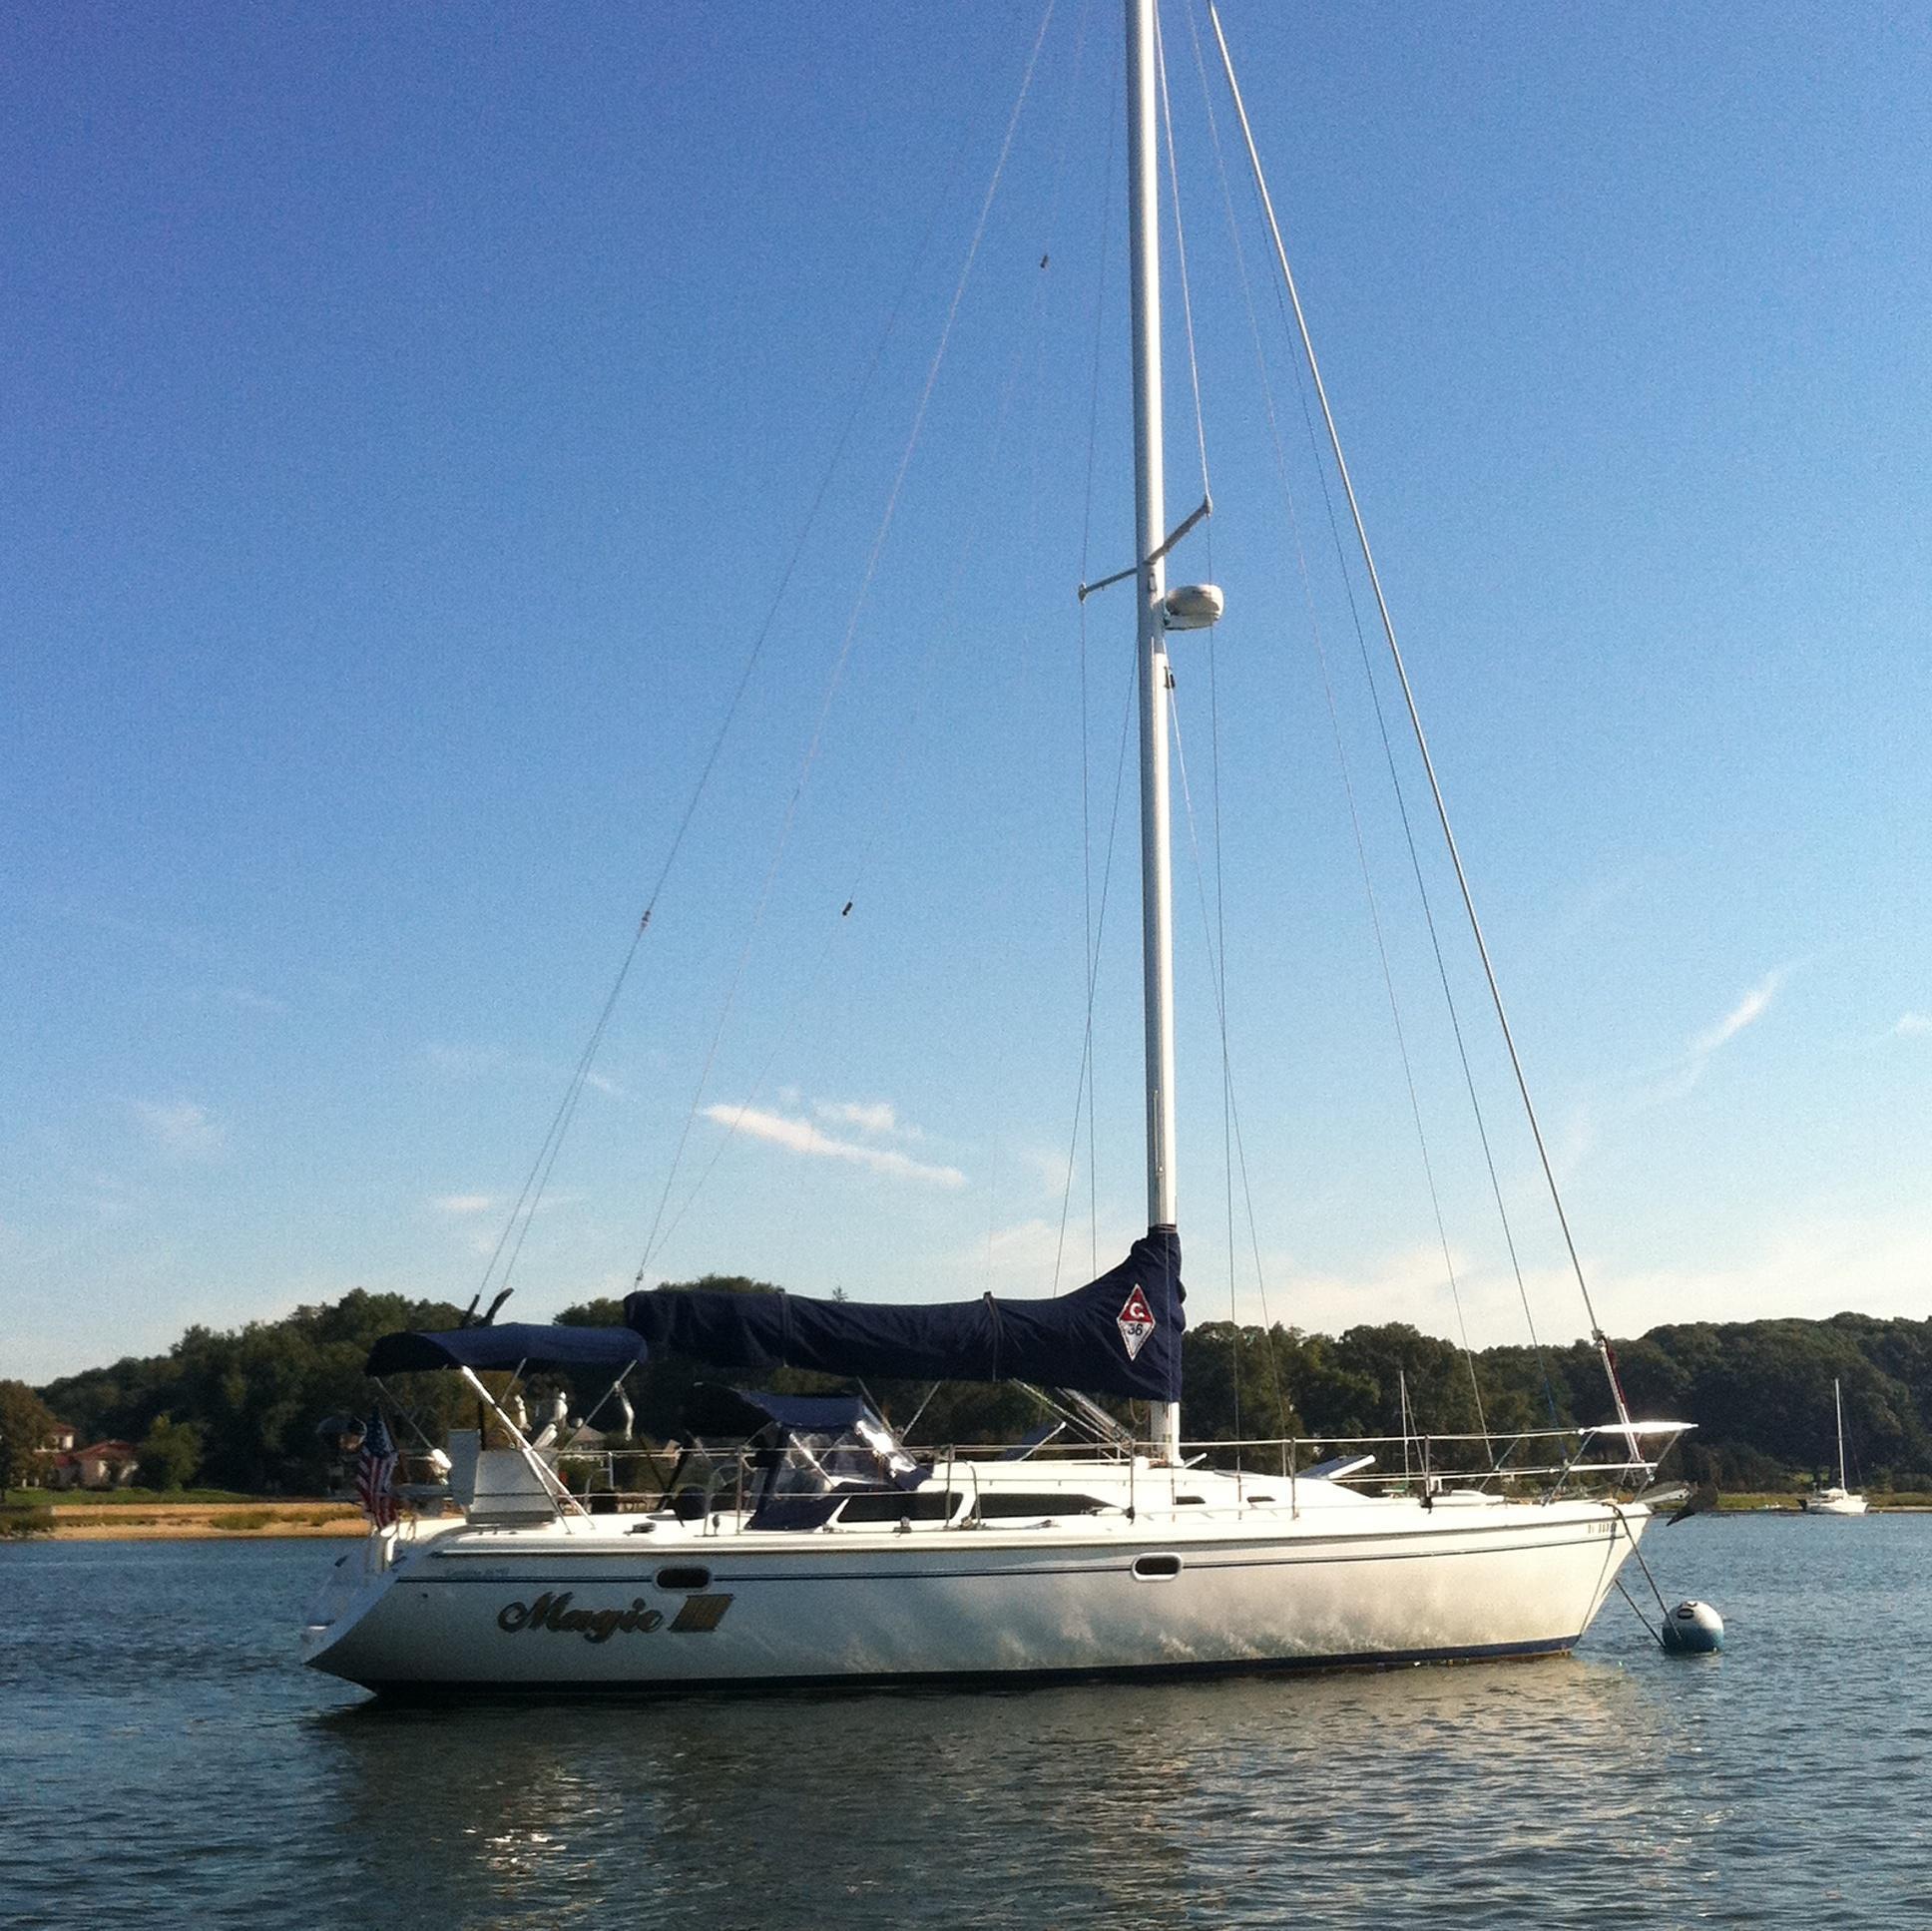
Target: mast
[(1838, 1402), (1149, 516)]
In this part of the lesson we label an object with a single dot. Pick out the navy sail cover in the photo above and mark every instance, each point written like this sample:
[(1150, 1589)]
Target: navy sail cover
[(1118, 1335)]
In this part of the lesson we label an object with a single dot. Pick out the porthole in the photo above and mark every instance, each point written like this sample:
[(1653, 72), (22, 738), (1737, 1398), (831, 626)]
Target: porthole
[(1157, 1569), (684, 1579)]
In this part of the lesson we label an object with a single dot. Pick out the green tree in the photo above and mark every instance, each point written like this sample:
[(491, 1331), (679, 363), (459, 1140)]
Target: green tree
[(26, 1426), (1759, 1392), (1237, 1383), (258, 1392), (169, 1452)]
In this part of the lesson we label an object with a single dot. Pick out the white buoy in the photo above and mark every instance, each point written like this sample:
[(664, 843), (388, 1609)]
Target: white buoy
[(1694, 1629)]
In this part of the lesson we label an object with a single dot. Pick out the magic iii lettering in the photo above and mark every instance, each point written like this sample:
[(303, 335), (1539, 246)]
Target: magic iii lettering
[(552, 1614)]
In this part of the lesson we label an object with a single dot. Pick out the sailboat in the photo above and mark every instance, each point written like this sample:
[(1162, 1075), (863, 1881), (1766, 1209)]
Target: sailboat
[(1839, 1500), (823, 1550)]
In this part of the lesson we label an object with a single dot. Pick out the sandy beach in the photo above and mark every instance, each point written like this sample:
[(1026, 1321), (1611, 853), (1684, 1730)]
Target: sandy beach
[(201, 1521)]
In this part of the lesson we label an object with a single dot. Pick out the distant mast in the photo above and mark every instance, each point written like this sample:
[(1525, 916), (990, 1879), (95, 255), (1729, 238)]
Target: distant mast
[(1149, 518)]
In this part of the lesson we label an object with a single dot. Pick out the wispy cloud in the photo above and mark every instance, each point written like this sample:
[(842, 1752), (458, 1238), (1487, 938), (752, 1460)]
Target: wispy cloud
[(1028, 1245), (1681, 1076), (466, 1206), (805, 1138), (1747, 1012), (1913, 1026), (1047, 1167), (879, 1117), (180, 1127), (1038, 1257), (1411, 1284), (463, 1203)]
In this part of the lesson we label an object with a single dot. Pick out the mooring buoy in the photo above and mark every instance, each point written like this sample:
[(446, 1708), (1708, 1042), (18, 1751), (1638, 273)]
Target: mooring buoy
[(1694, 1629)]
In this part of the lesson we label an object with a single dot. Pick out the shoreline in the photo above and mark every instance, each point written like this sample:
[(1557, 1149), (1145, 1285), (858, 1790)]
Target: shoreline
[(191, 1521)]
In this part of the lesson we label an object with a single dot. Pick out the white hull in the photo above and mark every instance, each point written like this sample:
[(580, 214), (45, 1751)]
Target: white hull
[(1356, 1582), (1833, 1502)]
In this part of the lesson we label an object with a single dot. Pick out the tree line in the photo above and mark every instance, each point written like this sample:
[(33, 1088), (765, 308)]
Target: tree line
[(239, 1410)]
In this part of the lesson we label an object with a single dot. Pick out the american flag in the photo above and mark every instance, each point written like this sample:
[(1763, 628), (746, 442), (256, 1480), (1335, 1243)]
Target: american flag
[(373, 1468)]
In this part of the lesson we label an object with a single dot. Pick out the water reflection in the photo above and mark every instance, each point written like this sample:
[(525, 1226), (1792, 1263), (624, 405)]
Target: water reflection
[(1233, 1801), (154, 1694)]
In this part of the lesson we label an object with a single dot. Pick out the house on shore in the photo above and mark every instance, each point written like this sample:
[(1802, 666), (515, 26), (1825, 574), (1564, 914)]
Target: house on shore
[(100, 1465)]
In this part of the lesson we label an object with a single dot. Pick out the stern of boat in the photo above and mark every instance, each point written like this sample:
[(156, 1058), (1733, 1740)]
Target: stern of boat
[(354, 1584)]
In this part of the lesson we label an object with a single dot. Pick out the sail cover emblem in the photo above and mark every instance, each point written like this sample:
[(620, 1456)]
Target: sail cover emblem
[(1135, 1323)]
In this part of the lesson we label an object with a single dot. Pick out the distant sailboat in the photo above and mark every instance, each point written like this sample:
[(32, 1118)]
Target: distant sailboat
[(1839, 1500)]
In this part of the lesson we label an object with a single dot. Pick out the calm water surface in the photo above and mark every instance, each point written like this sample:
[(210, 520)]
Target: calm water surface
[(165, 1759)]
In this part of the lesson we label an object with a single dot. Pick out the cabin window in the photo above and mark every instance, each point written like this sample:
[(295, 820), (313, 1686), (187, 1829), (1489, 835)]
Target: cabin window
[(1157, 1569), (908, 1505), (1009, 1505), (684, 1579), (1186, 1501)]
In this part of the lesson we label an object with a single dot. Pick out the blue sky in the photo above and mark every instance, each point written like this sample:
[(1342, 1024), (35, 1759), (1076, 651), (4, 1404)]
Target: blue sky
[(409, 415)]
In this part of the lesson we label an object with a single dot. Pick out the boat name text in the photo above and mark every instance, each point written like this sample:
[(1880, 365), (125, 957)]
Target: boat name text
[(552, 1612)]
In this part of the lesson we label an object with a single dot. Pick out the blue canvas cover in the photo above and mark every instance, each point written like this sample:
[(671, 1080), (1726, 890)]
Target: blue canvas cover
[(514, 1345), (1118, 1335)]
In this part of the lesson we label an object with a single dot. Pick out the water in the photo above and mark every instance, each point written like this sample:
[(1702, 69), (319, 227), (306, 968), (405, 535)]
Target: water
[(165, 1761)]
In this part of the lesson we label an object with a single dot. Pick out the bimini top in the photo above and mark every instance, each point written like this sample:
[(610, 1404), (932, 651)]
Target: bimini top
[(515, 1344), (1118, 1335)]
